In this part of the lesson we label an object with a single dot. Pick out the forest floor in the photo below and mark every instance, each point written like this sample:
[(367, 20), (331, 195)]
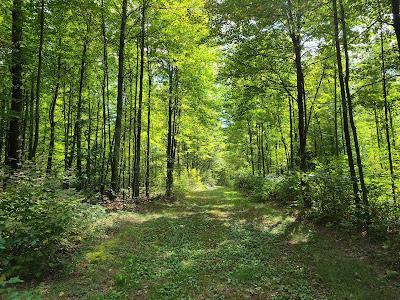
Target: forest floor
[(217, 244)]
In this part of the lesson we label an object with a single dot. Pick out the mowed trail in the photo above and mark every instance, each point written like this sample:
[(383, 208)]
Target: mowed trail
[(217, 244)]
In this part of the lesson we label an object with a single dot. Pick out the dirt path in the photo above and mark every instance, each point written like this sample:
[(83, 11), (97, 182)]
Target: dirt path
[(217, 245)]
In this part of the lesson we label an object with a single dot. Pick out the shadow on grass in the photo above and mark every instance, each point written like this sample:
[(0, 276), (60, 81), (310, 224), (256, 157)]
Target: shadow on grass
[(214, 245)]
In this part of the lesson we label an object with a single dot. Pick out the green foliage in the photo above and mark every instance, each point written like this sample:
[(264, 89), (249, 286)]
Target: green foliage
[(328, 189), (39, 225)]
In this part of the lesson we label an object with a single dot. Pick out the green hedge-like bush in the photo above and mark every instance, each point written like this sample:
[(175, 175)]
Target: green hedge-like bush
[(328, 190), (39, 226)]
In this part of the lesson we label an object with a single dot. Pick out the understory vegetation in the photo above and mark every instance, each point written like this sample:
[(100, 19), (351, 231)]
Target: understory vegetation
[(328, 192), (128, 128)]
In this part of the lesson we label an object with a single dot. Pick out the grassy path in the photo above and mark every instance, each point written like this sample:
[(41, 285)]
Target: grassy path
[(217, 245)]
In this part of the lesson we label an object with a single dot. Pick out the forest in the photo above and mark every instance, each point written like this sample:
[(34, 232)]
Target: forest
[(199, 149)]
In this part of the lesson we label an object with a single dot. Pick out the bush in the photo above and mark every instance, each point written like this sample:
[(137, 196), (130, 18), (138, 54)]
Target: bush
[(39, 225), (326, 193)]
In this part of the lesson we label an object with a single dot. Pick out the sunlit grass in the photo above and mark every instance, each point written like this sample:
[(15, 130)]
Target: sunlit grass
[(215, 244)]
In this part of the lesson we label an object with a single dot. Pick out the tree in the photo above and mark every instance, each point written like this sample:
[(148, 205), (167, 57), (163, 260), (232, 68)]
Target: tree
[(120, 100), (14, 150)]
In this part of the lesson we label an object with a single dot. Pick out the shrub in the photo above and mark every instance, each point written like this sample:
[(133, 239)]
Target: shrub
[(39, 225), (327, 192)]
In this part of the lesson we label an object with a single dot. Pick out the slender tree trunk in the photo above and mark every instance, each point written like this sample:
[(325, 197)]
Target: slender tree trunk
[(24, 123), (301, 101), (105, 102), (78, 121), (38, 82), (344, 107), (51, 117), (291, 165), (96, 142), (378, 135), (136, 167), (258, 139), (250, 132), (148, 125), (31, 116), (351, 117), (386, 105), (135, 107), (263, 149), (336, 115), (67, 129), (89, 143), (120, 100), (170, 162), (14, 150)]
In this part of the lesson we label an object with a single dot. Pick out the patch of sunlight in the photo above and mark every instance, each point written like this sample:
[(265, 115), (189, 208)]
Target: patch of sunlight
[(177, 215), (232, 195), (299, 237), (219, 214), (100, 254), (275, 224)]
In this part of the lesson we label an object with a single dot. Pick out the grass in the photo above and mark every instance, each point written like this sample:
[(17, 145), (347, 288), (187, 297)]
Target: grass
[(216, 245)]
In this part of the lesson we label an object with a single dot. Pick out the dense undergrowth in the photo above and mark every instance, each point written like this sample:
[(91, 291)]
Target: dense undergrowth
[(41, 226), (330, 194)]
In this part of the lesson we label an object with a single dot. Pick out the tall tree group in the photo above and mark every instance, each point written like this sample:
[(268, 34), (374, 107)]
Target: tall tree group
[(103, 88)]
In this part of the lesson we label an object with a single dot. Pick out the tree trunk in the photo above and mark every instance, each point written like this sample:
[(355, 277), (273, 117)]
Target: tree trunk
[(148, 125), (120, 100), (24, 123), (296, 41), (170, 162), (336, 115), (350, 106), (31, 115), (38, 82), (263, 150), (396, 20), (51, 117), (105, 102), (344, 107), (136, 167), (251, 147), (386, 105), (67, 117), (78, 121), (291, 134), (14, 150)]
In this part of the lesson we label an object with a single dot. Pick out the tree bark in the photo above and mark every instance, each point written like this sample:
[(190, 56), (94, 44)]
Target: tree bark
[(344, 107), (14, 144), (120, 100), (147, 184), (170, 162), (38, 82), (386, 105), (136, 167), (291, 133), (294, 29), (350, 106), (105, 102), (78, 121), (336, 115), (396, 20), (251, 147)]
